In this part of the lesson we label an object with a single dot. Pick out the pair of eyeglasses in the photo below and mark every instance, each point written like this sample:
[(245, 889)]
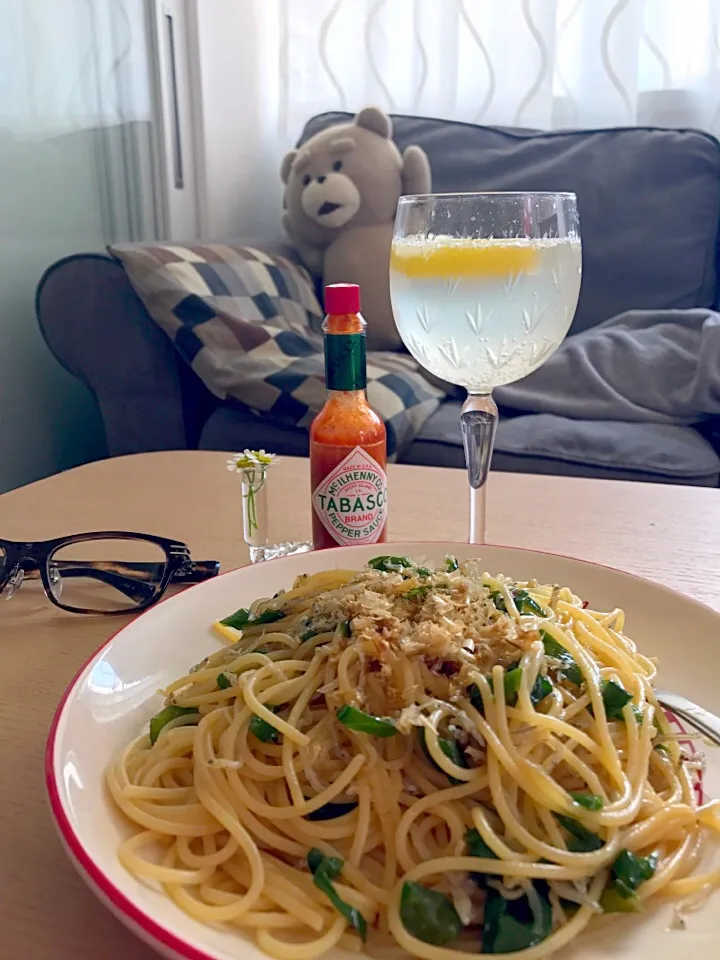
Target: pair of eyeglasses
[(110, 572)]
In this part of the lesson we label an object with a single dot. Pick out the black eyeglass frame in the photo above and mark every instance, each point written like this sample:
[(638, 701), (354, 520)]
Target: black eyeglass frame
[(36, 556)]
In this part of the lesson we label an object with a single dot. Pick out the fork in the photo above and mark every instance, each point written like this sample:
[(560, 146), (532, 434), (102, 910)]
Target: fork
[(702, 720)]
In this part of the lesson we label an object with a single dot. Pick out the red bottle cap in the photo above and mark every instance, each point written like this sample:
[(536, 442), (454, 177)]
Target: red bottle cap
[(342, 298)]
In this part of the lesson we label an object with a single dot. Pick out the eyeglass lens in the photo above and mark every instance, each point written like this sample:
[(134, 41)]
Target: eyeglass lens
[(106, 575)]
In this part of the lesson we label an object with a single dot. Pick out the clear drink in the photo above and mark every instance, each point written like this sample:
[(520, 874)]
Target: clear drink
[(483, 312), (483, 288)]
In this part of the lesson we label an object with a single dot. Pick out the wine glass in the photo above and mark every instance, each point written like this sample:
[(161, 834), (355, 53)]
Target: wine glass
[(483, 288)]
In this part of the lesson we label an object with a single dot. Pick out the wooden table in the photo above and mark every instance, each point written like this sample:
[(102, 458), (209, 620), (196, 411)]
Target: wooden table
[(669, 534)]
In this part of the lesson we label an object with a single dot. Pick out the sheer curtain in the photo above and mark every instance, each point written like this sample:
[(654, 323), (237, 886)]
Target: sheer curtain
[(78, 91), (75, 172), (529, 63)]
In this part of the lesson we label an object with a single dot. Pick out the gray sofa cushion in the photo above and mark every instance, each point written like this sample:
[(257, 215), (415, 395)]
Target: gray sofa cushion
[(649, 200), (650, 448), (236, 428), (655, 451), (528, 444)]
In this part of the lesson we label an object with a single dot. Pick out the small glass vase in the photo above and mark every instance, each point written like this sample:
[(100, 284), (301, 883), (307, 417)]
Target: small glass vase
[(256, 525)]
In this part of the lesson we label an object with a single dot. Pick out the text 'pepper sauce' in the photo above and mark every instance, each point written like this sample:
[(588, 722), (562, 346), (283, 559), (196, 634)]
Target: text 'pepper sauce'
[(348, 444)]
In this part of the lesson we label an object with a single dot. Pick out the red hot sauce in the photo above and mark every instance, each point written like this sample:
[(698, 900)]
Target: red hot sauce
[(348, 444)]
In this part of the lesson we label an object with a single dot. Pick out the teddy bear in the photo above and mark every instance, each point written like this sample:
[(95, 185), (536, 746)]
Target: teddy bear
[(341, 190)]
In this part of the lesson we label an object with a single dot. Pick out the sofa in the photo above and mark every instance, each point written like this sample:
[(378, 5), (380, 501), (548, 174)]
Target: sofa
[(649, 202)]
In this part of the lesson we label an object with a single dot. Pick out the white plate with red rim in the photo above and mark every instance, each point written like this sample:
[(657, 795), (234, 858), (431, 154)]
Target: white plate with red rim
[(115, 693)]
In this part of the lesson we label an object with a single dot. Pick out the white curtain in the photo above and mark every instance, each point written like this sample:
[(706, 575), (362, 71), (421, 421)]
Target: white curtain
[(525, 63), (528, 63)]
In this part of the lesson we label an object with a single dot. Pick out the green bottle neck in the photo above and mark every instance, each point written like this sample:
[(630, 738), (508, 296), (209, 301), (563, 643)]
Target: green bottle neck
[(345, 363)]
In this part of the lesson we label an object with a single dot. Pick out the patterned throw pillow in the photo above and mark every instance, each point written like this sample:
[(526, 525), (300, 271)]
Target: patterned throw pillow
[(249, 324), (228, 291)]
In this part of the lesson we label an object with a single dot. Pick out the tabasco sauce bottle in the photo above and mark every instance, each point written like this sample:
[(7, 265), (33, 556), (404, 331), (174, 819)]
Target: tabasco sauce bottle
[(348, 445)]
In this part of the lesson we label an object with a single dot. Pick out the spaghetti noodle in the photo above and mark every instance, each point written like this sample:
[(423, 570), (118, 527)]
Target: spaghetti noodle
[(438, 760)]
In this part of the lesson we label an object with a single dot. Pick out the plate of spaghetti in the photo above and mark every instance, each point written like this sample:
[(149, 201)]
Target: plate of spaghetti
[(427, 750)]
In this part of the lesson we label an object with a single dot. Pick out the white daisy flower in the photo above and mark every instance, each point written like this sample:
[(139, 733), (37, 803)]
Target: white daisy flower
[(254, 465), (250, 460)]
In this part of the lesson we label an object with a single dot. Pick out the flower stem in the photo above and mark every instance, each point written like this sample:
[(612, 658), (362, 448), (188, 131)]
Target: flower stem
[(253, 482)]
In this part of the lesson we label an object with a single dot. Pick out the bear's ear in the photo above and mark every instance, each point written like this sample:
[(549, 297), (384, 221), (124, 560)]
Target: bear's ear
[(286, 165), (416, 176), (372, 118)]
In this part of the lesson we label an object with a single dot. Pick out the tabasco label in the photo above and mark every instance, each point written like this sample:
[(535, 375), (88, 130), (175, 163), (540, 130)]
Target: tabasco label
[(351, 501)]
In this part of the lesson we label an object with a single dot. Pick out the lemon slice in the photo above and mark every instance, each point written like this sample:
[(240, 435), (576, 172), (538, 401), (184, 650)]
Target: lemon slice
[(230, 634), (472, 258)]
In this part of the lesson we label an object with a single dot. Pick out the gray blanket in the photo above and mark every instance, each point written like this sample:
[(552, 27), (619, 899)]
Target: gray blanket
[(644, 366)]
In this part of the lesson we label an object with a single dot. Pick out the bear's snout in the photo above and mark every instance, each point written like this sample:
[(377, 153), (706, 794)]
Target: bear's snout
[(330, 199)]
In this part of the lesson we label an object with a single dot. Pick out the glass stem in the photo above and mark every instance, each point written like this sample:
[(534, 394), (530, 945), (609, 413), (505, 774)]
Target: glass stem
[(478, 419)]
